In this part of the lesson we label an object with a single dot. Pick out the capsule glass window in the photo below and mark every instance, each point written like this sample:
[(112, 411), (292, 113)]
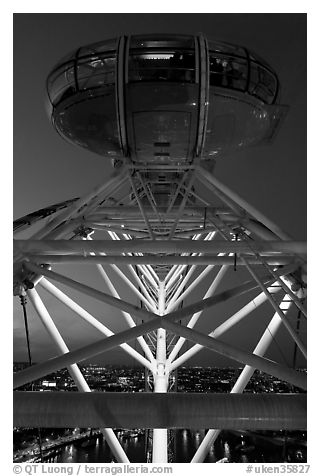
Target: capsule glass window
[(263, 83), (227, 49), (163, 41), (96, 71), (61, 83), (228, 71), (176, 66)]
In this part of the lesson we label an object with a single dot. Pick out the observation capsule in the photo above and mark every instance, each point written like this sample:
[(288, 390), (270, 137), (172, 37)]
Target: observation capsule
[(164, 99)]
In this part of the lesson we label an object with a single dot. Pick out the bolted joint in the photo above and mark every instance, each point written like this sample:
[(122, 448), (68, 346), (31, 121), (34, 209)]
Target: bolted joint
[(161, 369), (83, 231), (23, 300), (20, 288), (28, 284)]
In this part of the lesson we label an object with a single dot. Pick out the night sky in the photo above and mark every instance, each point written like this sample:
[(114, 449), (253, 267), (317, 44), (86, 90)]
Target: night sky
[(48, 170)]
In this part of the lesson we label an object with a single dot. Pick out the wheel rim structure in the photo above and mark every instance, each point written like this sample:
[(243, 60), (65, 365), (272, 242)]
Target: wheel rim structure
[(164, 226)]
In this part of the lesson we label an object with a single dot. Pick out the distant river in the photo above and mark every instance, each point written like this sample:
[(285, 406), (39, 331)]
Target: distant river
[(184, 445)]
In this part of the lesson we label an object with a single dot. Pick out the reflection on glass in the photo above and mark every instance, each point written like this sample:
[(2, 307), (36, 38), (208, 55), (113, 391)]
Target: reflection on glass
[(226, 450), (96, 72), (173, 65), (240, 71), (161, 41), (163, 58), (81, 74), (262, 83)]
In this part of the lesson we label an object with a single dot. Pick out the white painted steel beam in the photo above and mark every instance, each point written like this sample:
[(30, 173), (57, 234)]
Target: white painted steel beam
[(173, 246), (164, 410), (272, 368), (239, 201), (219, 331), (142, 209), (75, 208), (194, 319), (182, 205), (160, 378), (175, 195), (54, 291), (37, 371), (127, 317), (141, 285), (149, 304), (86, 352), (106, 298), (141, 313), (186, 278), (156, 260), (275, 306), (243, 379), (180, 295), (150, 198), (74, 370), (145, 297)]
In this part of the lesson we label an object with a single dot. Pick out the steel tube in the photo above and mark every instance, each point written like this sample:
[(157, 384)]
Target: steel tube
[(178, 297), (292, 295), (74, 207), (195, 282), (74, 370), (146, 300), (141, 313), (160, 435), (112, 301), (241, 383), (91, 320), (182, 204), (154, 260), (86, 352), (239, 201), (115, 229), (219, 331), (126, 280), (172, 276), (40, 370), (132, 211), (177, 167), (194, 319), (146, 271), (146, 246), (275, 306), (211, 301), (153, 273), (172, 303), (258, 229), (162, 410), (150, 198), (141, 208), (141, 285), (127, 317), (295, 378), (176, 193), (176, 269)]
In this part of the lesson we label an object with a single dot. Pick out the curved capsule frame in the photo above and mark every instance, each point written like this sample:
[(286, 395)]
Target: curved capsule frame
[(226, 52)]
